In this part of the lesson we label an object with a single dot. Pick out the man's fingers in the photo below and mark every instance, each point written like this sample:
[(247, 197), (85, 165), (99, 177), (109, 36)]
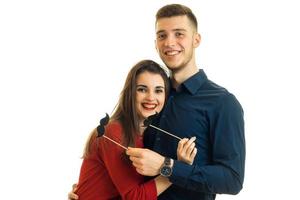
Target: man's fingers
[(188, 143), (191, 140), (186, 150), (190, 149), (74, 187), (181, 144), (193, 154), (72, 196)]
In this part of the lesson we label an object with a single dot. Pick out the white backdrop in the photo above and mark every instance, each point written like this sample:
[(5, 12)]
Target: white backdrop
[(63, 63)]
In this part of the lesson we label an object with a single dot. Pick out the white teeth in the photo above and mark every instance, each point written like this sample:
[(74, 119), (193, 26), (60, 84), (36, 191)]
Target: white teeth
[(149, 106), (171, 53)]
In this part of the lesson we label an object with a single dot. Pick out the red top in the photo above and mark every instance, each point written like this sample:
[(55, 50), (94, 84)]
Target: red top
[(106, 174)]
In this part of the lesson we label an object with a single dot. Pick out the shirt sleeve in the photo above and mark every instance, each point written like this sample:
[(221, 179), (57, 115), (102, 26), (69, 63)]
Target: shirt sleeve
[(225, 174), (128, 182)]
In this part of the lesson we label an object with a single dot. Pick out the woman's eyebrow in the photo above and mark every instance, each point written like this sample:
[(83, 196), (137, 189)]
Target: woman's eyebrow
[(141, 85)]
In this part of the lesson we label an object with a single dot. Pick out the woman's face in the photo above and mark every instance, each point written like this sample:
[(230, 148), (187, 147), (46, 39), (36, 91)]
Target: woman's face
[(150, 94)]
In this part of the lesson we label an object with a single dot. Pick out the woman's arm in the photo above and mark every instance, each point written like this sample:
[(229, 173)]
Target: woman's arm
[(162, 183)]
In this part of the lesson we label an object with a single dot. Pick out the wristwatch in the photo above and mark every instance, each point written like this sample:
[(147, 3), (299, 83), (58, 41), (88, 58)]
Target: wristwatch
[(166, 169)]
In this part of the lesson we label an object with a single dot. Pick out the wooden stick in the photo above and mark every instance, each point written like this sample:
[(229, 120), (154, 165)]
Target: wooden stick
[(165, 132), (115, 142)]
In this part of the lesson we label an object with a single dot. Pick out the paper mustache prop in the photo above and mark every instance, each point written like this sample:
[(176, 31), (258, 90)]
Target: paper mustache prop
[(101, 130), (148, 121)]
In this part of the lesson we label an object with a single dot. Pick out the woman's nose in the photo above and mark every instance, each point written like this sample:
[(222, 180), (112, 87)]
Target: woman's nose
[(150, 95)]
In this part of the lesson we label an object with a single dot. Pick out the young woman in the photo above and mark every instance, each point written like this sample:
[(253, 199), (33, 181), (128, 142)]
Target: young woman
[(106, 171)]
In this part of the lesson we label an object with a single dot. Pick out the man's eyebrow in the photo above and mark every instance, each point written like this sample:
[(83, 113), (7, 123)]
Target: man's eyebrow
[(176, 29), (179, 29), (160, 31)]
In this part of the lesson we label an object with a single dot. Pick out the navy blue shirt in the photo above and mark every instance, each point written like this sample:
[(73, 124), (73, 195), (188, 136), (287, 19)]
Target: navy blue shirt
[(203, 109)]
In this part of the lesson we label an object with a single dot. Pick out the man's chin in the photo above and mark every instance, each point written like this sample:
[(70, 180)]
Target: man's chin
[(171, 64), (173, 67)]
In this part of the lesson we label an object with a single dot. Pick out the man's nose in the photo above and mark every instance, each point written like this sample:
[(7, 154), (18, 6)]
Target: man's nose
[(170, 41)]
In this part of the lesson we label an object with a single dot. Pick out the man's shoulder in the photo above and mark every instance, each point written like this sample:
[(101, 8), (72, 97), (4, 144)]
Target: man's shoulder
[(213, 89), (209, 84), (218, 93), (208, 90)]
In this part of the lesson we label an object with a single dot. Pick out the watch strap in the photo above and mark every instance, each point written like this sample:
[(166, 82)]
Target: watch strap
[(167, 161)]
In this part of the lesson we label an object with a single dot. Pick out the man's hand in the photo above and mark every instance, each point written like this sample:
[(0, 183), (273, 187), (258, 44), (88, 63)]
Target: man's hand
[(186, 150), (72, 195), (146, 162)]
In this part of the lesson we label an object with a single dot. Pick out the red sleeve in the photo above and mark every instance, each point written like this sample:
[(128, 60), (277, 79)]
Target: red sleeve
[(128, 182)]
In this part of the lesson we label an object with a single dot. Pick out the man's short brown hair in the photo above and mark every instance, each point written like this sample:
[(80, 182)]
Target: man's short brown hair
[(173, 10)]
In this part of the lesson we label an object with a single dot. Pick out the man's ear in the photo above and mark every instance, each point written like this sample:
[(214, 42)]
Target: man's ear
[(197, 39)]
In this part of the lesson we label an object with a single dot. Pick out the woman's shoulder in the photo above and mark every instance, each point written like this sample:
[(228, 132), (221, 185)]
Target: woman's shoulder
[(114, 130)]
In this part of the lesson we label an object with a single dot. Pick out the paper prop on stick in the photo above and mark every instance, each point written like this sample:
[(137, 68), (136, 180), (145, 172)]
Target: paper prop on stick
[(148, 121), (101, 130), (103, 122)]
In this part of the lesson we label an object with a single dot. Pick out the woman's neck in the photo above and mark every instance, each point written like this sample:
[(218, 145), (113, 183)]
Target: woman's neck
[(142, 128)]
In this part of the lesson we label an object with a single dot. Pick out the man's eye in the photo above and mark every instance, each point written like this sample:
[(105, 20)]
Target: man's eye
[(161, 36), (178, 34)]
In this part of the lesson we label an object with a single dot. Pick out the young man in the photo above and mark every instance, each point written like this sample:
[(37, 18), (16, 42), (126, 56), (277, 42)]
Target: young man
[(196, 107)]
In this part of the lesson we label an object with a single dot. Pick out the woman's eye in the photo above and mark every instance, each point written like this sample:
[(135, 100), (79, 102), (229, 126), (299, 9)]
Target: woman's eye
[(141, 89), (159, 91)]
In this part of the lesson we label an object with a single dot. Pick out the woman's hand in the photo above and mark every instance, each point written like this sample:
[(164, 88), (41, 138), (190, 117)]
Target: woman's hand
[(186, 150)]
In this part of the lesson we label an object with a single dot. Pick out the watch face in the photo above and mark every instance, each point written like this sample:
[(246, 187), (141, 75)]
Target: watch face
[(166, 171)]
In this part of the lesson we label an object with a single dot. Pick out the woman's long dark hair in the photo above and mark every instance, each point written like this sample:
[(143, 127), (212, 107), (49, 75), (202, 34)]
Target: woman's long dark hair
[(125, 111)]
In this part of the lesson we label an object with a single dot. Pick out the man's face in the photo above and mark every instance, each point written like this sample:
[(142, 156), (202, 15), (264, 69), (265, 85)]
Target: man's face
[(176, 39)]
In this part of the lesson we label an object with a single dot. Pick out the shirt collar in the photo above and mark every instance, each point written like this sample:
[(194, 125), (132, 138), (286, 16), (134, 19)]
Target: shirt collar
[(193, 83)]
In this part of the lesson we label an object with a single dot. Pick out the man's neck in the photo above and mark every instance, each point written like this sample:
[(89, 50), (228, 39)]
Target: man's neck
[(178, 77)]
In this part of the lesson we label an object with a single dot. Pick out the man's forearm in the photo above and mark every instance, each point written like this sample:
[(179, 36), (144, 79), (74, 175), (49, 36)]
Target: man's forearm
[(208, 179)]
